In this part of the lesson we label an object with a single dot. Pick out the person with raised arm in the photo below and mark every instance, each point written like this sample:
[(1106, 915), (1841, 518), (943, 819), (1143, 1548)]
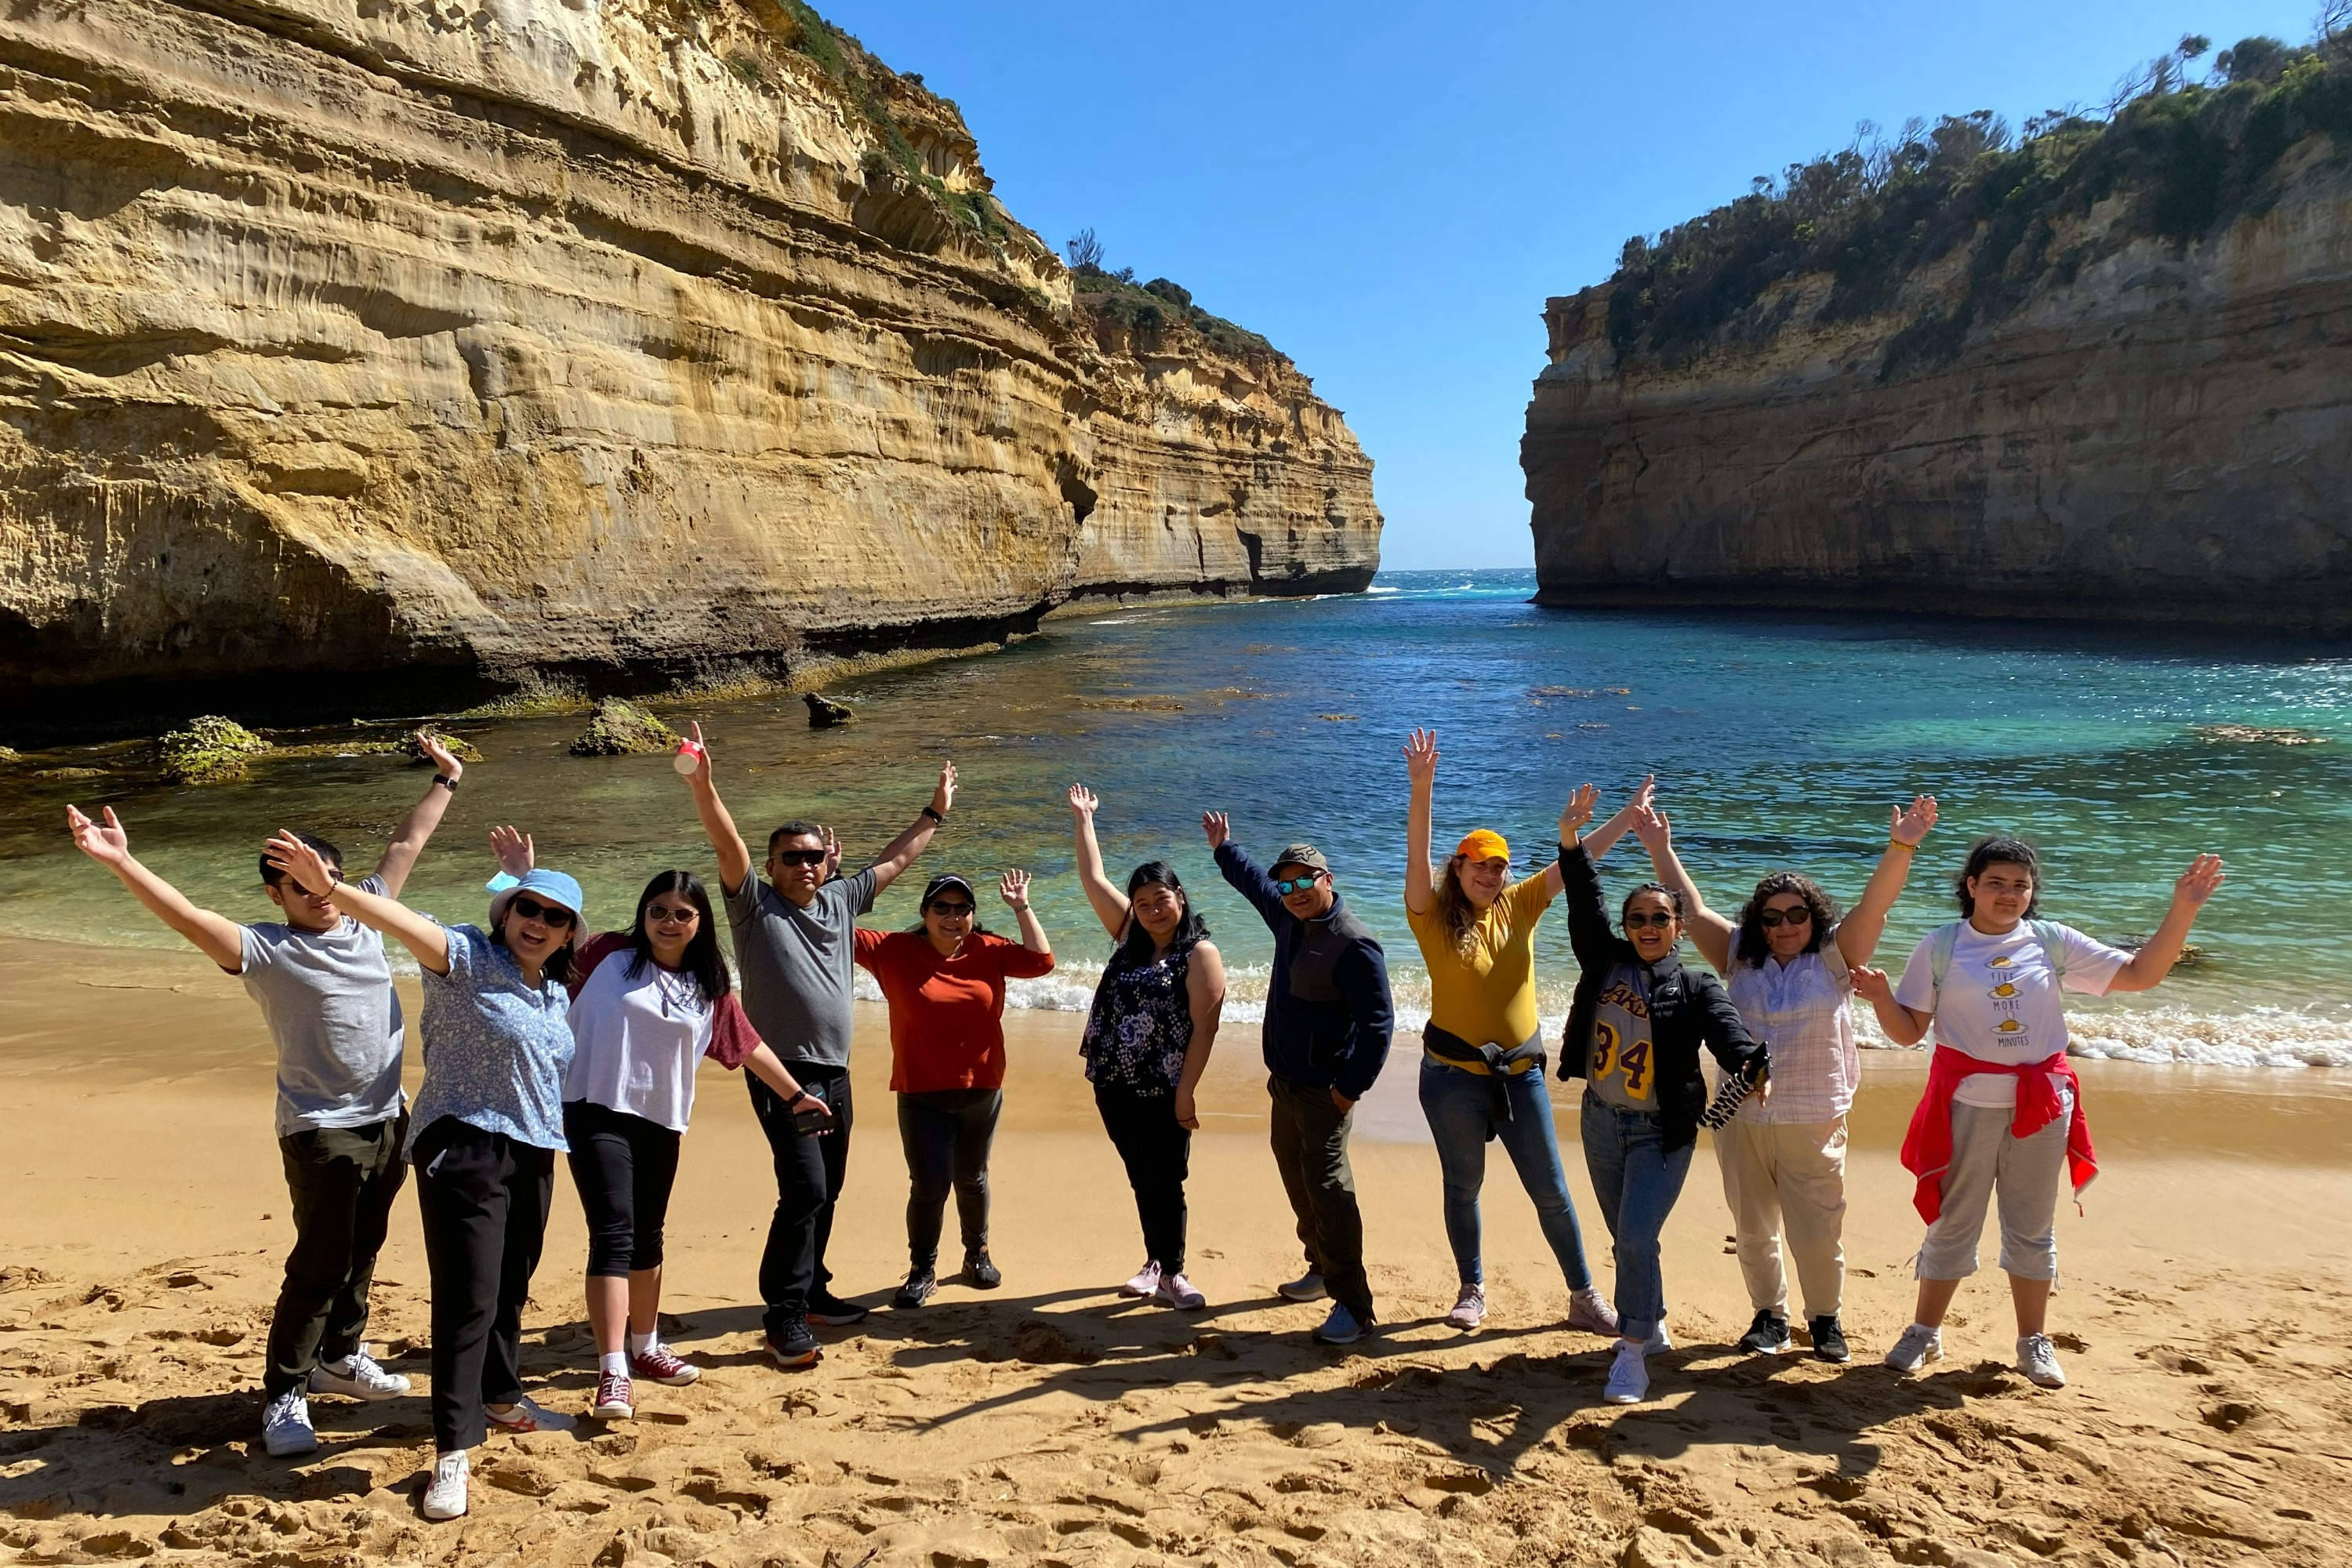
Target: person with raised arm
[(1635, 1032), (1328, 1021), (796, 943), (325, 991), (2002, 1112), (483, 1134), (648, 1004), (1787, 959), (1147, 1043), (1482, 1064), (944, 980)]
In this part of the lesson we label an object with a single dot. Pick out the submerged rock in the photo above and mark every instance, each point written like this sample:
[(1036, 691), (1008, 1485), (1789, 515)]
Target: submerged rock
[(824, 712), (622, 730), (211, 750)]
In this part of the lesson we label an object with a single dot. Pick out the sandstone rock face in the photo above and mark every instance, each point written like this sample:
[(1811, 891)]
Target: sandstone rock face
[(628, 338), (2167, 436)]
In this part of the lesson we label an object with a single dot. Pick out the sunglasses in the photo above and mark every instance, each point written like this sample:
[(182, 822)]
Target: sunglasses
[(530, 908), (951, 911), (1297, 884), (664, 914), (800, 857), (1772, 917), (1636, 923)]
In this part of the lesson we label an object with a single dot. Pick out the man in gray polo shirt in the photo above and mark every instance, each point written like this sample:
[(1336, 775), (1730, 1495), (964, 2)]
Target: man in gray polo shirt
[(796, 944), (326, 995)]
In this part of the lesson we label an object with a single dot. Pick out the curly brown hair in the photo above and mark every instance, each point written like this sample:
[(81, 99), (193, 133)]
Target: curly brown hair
[(1751, 946), (1455, 910)]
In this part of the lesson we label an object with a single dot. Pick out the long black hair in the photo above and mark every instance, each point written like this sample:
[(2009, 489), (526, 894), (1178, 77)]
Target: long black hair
[(702, 957), (1999, 849), (1137, 946), (1751, 946)]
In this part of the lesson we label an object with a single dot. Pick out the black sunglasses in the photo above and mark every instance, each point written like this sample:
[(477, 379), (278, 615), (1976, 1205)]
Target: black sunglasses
[(953, 910), (1296, 884), (530, 908), (800, 857), (1636, 923), (665, 914), (1772, 917)]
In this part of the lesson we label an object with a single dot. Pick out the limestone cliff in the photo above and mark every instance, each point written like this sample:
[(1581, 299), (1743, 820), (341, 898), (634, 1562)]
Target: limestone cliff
[(2140, 426), (621, 337)]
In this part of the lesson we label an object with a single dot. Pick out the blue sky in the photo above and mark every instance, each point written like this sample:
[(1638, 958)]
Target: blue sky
[(1390, 191)]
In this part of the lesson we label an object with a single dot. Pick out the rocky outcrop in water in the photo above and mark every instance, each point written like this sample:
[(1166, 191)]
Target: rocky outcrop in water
[(2152, 428), (632, 340)]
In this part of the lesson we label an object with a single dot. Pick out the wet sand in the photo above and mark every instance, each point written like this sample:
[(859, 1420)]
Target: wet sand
[(2203, 1318)]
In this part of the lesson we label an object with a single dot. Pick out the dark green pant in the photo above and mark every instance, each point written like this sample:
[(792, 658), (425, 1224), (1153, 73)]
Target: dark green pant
[(343, 1181), (1310, 1149)]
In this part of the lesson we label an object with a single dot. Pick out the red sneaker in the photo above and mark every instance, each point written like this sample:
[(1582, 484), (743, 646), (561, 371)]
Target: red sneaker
[(615, 1400), (661, 1365)]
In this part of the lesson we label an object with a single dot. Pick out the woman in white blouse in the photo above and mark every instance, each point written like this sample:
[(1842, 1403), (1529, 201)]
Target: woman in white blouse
[(1786, 960)]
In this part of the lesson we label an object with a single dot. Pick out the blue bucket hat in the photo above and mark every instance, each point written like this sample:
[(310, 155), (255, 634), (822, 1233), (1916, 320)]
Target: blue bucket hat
[(553, 887)]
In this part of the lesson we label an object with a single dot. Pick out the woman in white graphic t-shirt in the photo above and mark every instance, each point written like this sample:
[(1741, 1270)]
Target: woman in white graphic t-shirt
[(2002, 1110)]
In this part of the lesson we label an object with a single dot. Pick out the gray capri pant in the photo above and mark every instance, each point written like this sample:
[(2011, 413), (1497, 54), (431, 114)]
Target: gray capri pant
[(2024, 1172)]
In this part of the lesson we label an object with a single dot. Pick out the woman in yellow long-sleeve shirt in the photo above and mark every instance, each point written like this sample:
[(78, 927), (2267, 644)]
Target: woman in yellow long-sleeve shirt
[(1482, 1071)]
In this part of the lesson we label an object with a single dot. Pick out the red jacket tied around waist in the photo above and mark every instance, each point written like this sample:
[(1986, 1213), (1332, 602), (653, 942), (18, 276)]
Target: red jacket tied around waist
[(1927, 1146)]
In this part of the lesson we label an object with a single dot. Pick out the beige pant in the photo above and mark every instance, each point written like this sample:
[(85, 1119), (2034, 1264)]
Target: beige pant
[(1792, 1175)]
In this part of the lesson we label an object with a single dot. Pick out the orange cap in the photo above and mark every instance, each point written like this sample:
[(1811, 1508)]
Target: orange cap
[(1484, 844)]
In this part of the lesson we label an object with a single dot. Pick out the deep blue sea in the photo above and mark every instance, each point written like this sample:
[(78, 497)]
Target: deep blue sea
[(1777, 741)]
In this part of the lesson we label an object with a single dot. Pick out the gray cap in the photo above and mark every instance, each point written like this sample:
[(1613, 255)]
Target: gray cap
[(1301, 855)]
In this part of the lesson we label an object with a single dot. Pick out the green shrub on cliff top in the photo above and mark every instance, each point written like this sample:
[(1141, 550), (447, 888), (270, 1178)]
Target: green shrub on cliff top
[(1149, 307), (2187, 157)]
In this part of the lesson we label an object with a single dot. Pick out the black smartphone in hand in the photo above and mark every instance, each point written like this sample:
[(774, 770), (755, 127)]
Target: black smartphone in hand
[(813, 1121)]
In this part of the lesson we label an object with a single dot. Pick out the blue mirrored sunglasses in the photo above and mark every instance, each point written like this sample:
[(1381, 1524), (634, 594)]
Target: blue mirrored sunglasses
[(1296, 885)]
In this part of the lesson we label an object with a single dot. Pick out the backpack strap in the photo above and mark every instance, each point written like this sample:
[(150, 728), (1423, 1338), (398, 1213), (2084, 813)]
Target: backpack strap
[(1939, 955), (1833, 957), (2052, 937)]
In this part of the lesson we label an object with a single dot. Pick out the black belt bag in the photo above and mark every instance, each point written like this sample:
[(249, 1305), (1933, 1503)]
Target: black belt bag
[(1499, 1065)]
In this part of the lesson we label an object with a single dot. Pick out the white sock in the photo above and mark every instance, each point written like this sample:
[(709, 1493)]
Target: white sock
[(612, 1361), (640, 1344)]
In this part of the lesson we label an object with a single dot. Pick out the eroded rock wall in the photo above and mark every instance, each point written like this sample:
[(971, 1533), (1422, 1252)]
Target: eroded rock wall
[(396, 336), (2167, 436)]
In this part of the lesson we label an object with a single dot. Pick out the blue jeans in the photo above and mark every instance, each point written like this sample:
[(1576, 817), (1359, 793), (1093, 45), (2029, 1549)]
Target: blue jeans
[(1460, 1110), (1637, 1183)]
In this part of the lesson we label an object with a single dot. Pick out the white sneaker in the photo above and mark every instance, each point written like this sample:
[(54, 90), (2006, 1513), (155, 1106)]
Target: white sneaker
[(1177, 1291), (445, 1497), (530, 1416), (1659, 1341), (1920, 1345), (1588, 1309), (1146, 1281), (2037, 1358), (1469, 1308), (286, 1429), (1628, 1376), (1307, 1287), (357, 1376)]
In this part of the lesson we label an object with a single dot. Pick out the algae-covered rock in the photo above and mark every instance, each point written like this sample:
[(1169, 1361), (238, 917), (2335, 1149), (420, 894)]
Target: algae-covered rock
[(620, 730), (457, 746), (9, 755), (69, 773), (824, 712), (211, 750)]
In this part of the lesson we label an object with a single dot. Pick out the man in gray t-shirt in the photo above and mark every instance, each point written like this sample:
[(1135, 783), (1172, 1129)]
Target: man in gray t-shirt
[(325, 991), (795, 943)]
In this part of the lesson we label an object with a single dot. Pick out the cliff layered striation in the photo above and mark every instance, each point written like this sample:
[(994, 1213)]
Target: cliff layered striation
[(2101, 372), (435, 344)]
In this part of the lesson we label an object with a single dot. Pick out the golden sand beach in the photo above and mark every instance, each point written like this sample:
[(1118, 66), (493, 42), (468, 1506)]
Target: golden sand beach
[(2204, 1311)]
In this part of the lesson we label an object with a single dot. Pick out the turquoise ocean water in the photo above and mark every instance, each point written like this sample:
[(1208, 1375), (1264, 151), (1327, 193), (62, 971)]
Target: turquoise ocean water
[(1778, 740)]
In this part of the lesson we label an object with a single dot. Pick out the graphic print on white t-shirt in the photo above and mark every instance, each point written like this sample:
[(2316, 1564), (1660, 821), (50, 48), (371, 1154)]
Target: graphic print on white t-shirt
[(1999, 1002)]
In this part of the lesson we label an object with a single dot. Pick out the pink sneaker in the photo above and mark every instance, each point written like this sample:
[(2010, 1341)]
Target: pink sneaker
[(1177, 1291), (1146, 1281), (664, 1366), (615, 1400)]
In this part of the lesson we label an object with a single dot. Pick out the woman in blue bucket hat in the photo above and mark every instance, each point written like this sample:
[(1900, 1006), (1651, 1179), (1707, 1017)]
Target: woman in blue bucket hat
[(483, 1134)]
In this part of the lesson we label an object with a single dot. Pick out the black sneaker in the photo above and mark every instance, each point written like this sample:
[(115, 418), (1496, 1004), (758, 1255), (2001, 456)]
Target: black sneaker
[(921, 1283), (1829, 1339), (795, 1348), (830, 1309), (1768, 1335), (979, 1273)]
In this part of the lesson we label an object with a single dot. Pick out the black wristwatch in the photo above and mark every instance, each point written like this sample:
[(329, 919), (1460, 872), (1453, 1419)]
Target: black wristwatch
[(446, 782), (934, 814)]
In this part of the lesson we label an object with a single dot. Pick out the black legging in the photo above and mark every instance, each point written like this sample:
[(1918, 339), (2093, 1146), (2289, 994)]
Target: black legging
[(485, 1200), (810, 1170), (1157, 1151), (946, 1134), (624, 1166)]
